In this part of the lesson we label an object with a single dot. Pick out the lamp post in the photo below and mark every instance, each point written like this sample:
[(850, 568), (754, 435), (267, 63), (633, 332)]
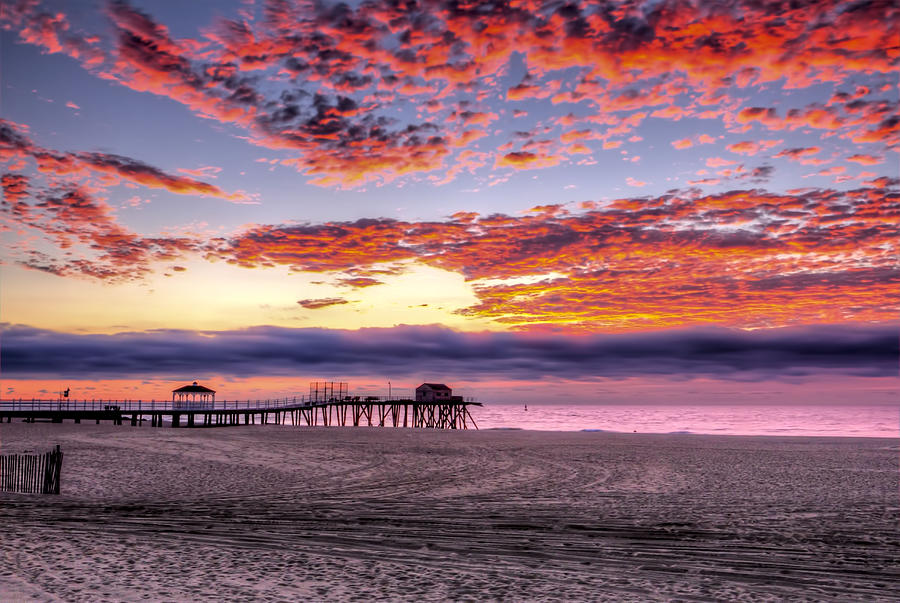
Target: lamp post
[(389, 390)]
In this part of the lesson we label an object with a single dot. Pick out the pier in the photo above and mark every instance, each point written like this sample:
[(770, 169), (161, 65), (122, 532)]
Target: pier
[(346, 411)]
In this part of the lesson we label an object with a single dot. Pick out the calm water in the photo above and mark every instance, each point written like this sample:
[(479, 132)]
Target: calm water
[(869, 421)]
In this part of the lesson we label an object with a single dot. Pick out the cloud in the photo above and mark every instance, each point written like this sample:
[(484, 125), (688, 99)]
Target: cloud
[(865, 159), (766, 115), (109, 169), (321, 82), (151, 177), (51, 32), (646, 262), (686, 143), (752, 147), (319, 248), (887, 132), (360, 94), (719, 162), (267, 351), (705, 182), (522, 160), (90, 241), (324, 302), (678, 259), (207, 171), (832, 171), (801, 154), (359, 282), (15, 193)]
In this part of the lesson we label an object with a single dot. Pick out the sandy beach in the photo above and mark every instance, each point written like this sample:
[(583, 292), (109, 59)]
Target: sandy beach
[(271, 513)]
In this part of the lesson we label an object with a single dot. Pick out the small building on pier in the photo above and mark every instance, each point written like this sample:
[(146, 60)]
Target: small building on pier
[(193, 396), (433, 392)]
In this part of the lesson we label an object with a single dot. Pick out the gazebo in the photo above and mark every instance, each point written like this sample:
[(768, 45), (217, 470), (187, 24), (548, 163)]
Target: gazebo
[(193, 396)]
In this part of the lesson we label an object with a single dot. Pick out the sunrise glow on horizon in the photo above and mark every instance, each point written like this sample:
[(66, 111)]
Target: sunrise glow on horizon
[(512, 193)]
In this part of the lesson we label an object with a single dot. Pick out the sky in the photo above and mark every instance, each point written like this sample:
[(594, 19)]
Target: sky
[(657, 201)]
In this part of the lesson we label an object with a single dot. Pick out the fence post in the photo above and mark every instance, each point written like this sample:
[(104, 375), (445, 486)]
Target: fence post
[(31, 473)]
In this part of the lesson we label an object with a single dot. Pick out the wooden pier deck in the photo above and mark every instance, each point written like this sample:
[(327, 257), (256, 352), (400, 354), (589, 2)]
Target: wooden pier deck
[(355, 411)]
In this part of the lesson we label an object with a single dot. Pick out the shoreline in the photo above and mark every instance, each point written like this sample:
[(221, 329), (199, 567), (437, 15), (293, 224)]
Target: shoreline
[(65, 425), (689, 433), (283, 512)]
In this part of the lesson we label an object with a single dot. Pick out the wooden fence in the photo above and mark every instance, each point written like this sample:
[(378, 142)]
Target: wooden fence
[(31, 473)]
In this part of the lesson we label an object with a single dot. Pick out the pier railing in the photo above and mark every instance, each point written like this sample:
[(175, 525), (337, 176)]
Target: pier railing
[(152, 405)]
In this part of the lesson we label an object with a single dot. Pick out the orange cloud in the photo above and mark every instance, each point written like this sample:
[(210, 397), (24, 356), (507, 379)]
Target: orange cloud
[(90, 240), (802, 155), (766, 116), (715, 162), (527, 160), (109, 169), (359, 282), (811, 256), (752, 147), (320, 84), (15, 193), (832, 171), (865, 159), (477, 118)]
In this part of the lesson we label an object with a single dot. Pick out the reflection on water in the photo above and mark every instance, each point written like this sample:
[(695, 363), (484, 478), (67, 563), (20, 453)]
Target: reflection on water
[(869, 421)]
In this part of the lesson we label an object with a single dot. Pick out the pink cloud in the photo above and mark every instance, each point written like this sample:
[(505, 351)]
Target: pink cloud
[(751, 147), (865, 159), (715, 162)]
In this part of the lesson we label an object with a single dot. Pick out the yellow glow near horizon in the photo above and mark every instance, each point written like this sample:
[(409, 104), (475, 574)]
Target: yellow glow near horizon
[(219, 296)]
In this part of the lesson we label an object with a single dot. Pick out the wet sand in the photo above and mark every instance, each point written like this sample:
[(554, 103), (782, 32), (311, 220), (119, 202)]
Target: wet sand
[(271, 513)]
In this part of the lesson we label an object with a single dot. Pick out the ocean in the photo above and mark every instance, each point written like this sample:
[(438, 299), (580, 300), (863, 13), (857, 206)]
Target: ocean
[(845, 421)]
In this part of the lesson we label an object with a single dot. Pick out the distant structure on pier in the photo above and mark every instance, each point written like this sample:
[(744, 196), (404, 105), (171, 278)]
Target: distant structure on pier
[(327, 391), (193, 396), (433, 392)]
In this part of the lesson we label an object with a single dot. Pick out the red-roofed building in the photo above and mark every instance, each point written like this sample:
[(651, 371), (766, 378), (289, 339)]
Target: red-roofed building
[(433, 392)]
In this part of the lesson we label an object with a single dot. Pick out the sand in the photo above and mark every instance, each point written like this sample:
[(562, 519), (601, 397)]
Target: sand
[(272, 513)]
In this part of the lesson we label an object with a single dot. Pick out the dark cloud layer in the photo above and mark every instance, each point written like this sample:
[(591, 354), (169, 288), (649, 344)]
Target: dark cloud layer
[(273, 351)]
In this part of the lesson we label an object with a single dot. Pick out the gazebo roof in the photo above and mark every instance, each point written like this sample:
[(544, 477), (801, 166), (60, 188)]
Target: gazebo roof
[(198, 389)]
